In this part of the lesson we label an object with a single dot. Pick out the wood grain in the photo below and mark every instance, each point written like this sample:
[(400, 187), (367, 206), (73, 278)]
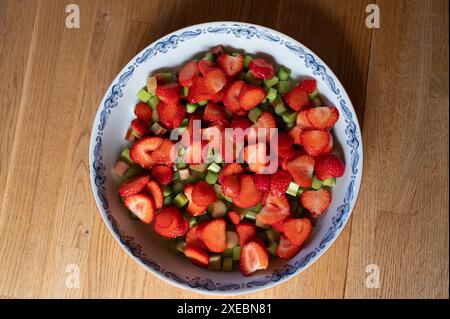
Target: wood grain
[(52, 79)]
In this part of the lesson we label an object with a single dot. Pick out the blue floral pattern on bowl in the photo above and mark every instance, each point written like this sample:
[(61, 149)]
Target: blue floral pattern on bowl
[(248, 32)]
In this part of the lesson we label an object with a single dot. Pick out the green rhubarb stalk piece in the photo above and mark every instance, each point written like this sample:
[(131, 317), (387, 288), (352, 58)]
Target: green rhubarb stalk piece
[(143, 95), (215, 262), (284, 74), (254, 114), (125, 156), (180, 200), (316, 183), (271, 82)]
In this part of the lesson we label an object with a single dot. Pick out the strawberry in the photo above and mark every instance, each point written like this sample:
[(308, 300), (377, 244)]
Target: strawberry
[(188, 74), (276, 208), (193, 209), (120, 168), (250, 96), (302, 120), (217, 51), (246, 231), (232, 65), (285, 141), (249, 196), (169, 222), (141, 151), (254, 155), (262, 182), (130, 137), (168, 93), (161, 79), (280, 182), (142, 206), (328, 166), (165, 154), (234, 217), (261, 69), (218, 97), (215, 80), (266, 120), (231, 186), (213, 112), (240, 122), (231, 97), (322, 117), (315, 142), (230, 169), (297, 230), (308, 86), (140, 128), (192, 238), (213, 235), (163, 174), (279, 226), (254, 257), (198, 256), (301, 168), (286, 249), (171, 115), (296, 98), (143, 112), (203, 194), (205, 65), (294, 133), (316, 201), (198, 92), (155, 190), (133, 185)]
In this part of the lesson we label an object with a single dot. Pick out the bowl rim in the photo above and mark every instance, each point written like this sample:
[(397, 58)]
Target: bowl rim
[(357, 167)]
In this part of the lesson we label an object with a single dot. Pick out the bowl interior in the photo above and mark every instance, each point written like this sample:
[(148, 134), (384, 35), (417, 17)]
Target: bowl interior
[(116, 112)]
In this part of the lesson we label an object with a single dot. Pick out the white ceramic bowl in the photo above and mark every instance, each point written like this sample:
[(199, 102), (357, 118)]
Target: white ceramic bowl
[(116, 111)]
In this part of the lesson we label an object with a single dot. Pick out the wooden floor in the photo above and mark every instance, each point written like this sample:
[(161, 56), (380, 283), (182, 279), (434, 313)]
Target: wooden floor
[(53, 78)]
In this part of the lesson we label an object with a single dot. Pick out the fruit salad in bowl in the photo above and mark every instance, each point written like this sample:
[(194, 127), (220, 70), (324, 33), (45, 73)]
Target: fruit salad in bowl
[(234, 169)]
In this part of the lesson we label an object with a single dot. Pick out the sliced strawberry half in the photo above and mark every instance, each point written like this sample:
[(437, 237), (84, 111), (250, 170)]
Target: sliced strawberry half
[(141, 151), (193, 209), (234, 217), (250, 96), (276, 208), (298, 230), (285, 141), (246, 231), (294, 133), (308, 85), (328, 166), (302, 120), (215, 80), (231, 186), (203, 194), (169, 93), (301, 168), (261, 69), (231, 98), (230, 169), (279, 226), (165, 154), (214, 112), (163, 174), (197, 256), (280, 182), (139, 127), (255, 156), (188, 74), (192, 238), (169, 222), (315, 142), (205, 65), (286, 249), (323, 117), (232, 65), (142, 206), (198, 92), (217, 51), (143, 112), (254, 257), (213, 235), (296, 98), (219, 96), (249, 196), (156, 192), (171, 114), (316, 201), (133, 185)]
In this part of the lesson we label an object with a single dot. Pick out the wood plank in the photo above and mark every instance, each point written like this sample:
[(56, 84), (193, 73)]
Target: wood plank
[(31, 209), (401, 219)]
